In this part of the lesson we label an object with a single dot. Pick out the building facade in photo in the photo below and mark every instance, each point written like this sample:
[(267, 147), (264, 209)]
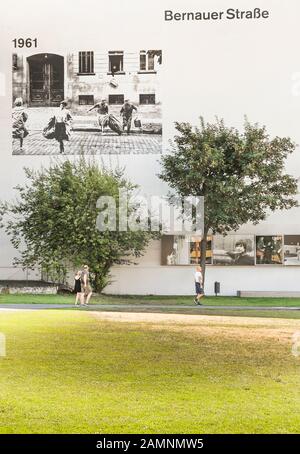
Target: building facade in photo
[(86, 77)]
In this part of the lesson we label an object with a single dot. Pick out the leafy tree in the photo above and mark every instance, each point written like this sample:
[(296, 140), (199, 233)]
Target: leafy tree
[(240, 174), (53, 222)]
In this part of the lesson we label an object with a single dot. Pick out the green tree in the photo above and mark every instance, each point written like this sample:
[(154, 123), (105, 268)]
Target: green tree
[(53, 222), (240, 174)]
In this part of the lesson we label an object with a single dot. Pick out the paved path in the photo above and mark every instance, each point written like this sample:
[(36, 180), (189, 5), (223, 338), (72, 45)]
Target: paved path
[(91, 143), (141, 306), (85, 139)]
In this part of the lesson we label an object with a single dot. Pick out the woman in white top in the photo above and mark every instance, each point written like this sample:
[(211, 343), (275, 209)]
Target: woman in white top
[(62, 120)]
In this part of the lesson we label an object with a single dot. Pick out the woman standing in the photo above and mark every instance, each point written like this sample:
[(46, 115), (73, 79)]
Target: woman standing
[(78, 289), (19, 118), (85, 280), (62, 129)]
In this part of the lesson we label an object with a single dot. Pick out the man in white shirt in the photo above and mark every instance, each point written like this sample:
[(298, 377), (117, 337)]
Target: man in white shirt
[(198, 285)]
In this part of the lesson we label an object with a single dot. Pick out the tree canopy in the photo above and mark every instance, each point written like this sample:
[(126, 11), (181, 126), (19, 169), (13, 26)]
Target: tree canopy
[(53, 223), (240, 174)]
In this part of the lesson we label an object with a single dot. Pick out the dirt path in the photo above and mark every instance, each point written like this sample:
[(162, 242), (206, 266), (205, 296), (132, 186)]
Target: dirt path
[(280, 330)]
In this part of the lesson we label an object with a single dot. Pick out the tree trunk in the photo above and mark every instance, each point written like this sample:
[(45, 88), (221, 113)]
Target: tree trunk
[(203, 248), (101, 279)]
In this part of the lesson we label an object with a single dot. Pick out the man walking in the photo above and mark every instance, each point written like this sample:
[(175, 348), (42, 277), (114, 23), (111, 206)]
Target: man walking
[(126, 113), (198, 285)]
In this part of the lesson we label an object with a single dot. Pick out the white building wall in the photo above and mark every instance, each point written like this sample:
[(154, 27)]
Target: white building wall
[(229, 69)]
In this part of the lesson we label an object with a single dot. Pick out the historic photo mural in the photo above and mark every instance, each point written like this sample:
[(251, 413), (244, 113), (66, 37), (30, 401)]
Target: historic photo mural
[(87, 101), (292, 250), (233, 250)]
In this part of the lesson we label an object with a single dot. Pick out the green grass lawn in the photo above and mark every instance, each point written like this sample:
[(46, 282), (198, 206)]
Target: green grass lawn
[(150, 300), (72, 371)]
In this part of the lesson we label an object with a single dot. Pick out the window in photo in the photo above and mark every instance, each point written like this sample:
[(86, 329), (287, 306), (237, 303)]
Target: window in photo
[(116, 99), (182, 250), (175, 250), (86, 100), (233, 250), (269, 250), (150, 59), (146, 99), (292, 250), (86, 62), (15, 62), (195, 251), (115, 61)]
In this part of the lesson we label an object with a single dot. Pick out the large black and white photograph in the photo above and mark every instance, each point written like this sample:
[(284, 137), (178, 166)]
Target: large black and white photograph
[(269, 250), (87, 102), (182, 250), (292, 250), (233, 250)]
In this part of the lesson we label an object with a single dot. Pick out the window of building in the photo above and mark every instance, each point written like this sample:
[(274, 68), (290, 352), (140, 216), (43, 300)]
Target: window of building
[(116, 99), (15, 62), (147, 99), (86, 62), (149, 59), (115, 61), (86, 100)]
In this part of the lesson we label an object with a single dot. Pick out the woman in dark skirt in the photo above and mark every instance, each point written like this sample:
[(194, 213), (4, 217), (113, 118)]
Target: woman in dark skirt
[(62, 129), (19, 118), (77, 288)]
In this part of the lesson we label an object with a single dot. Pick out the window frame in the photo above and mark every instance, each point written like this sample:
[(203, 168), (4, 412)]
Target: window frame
[(145, 103), (116, 53), (116, 104), (86, 54), (87, 103)]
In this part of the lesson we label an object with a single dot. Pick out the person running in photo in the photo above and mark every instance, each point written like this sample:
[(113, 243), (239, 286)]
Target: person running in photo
[(102, 114), (198, 285), (78, 289), (62, 130), (85, 281), (19, 118), (126, 113)]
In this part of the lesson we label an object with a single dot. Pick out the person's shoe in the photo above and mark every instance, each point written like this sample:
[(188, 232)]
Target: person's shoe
[(195, 301)]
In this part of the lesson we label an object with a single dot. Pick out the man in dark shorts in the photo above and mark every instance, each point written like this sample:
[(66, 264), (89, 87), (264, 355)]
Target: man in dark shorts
[(126, 112), (198, 285)]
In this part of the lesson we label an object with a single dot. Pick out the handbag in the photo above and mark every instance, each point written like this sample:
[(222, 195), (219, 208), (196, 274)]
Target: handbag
[(49, 130)]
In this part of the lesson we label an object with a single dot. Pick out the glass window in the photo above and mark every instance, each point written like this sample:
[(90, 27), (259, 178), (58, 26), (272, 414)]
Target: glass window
[(86, 62), (147, 99), (86, 100), (150, 59), (116, 99), (115, 61)]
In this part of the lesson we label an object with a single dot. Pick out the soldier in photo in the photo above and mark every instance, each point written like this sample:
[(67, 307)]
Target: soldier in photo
[(126, 113), (102, 114)]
